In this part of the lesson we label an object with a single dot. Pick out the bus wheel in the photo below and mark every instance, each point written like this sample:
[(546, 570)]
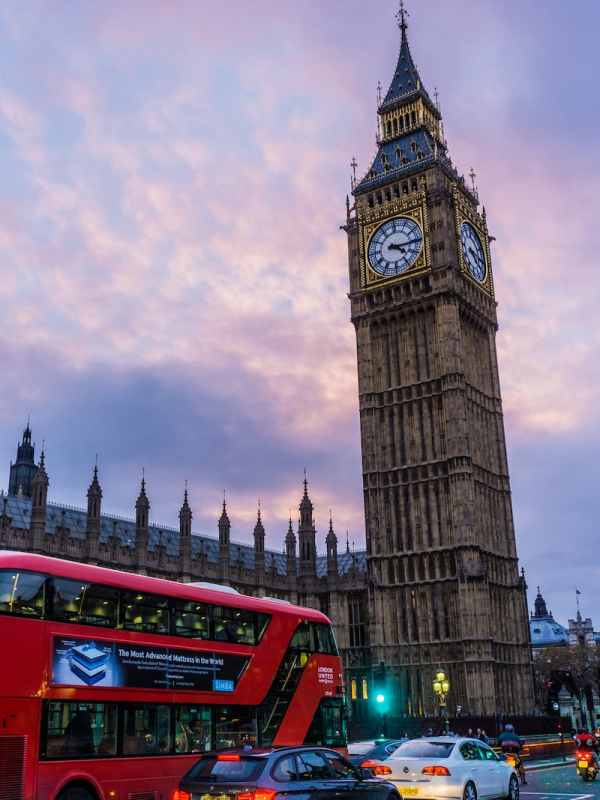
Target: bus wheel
[(76, 793)]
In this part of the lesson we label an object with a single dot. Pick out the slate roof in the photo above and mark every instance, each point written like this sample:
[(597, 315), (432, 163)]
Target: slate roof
[(406, 83), (19, 509), (405, 87)]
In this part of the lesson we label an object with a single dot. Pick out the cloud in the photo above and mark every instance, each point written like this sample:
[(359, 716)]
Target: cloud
[(172, 274)]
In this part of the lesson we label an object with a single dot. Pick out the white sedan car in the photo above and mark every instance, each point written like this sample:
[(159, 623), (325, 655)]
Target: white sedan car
[(445, 768)]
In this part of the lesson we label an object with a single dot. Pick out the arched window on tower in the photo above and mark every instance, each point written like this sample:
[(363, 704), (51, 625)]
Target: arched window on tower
[(353, 689), (365, 690)]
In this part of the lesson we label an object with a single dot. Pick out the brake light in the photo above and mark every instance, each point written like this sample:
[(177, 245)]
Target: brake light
[(435, 771), (228, 757), (381, 769), (179, 795), (258, 794), (370, 764)]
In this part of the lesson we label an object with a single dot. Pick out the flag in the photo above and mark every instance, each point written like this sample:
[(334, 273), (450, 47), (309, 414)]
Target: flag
[(577, 591)]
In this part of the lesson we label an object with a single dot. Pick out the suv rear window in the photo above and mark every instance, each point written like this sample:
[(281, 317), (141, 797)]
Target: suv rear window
[(423, 749), (227, 768)]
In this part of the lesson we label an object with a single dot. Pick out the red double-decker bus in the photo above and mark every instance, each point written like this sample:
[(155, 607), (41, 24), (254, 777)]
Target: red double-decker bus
[(111, 683)]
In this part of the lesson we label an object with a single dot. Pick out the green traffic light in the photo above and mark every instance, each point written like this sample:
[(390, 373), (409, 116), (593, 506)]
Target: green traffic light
[(380, 698)]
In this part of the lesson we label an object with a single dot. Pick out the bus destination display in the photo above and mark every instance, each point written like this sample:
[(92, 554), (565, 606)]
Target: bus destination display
[(86, 662)]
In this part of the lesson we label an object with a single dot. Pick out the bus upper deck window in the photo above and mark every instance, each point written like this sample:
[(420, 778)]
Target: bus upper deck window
[(22, 593)]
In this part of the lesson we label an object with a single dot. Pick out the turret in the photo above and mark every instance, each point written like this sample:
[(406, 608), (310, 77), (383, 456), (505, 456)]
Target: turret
[(259, 550), (332, 557), (306, 537), (92, 525), (142, 508), (290, 560), (224, 543), (40, 485), (185, 535)]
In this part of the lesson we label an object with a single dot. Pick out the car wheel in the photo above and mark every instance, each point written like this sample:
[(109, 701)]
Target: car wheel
[(75, 793), (513, 788), (470, 792)]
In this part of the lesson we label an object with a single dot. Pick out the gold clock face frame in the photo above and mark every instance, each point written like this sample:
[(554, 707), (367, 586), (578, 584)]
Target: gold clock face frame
[(394, 247), (466, 217), (471, 224)]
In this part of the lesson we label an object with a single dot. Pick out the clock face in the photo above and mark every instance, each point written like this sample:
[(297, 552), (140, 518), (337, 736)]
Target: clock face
[(472, 251), (395, 246)]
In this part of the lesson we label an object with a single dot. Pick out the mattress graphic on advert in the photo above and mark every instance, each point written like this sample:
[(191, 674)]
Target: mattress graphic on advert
[(88, 662)]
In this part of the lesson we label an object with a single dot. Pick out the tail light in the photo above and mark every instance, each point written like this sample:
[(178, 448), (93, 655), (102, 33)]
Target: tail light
[(228, 757), (382, 769), (370, 764), (179, 795), (435, 771), (258, 794)]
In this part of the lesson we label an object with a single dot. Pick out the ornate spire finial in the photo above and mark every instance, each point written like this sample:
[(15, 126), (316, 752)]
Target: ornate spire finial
[(354, 165), (185, 492), (223, 499), (472, 175), (305, 484), (401, 17), (259, 510)]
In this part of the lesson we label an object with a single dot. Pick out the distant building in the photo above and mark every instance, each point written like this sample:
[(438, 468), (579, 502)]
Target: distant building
[(578, 700), (581, 631), (545, 630), (24, 468)]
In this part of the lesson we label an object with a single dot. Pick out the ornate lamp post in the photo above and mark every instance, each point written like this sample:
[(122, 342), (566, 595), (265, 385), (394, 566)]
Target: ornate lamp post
[(441, 686)]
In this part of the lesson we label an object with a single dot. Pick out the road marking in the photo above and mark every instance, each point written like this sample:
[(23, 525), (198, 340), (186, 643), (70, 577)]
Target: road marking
[(557, 794)]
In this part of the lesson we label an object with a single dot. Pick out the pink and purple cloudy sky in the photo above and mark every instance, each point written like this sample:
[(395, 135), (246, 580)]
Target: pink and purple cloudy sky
[(173, 278)]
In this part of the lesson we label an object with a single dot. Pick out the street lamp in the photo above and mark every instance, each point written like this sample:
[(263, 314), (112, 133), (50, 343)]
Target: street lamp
[(441, 686)]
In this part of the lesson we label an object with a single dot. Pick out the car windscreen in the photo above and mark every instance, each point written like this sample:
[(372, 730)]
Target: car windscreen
[(360, 748), (423, 749), (219, 769)]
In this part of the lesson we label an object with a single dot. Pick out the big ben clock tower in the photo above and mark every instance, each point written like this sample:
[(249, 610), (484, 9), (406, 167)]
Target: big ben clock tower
[(444, 585)]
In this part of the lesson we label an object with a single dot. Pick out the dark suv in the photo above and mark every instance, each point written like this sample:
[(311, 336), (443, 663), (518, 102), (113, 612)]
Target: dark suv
[(272, 773)]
